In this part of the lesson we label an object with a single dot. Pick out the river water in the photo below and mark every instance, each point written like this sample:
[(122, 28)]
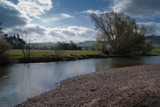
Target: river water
[(21, 81)]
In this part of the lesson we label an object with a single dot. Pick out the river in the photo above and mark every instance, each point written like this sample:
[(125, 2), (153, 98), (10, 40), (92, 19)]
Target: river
[(21, 81)]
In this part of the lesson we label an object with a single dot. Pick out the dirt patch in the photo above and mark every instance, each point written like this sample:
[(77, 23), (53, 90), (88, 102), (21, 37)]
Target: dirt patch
[(137, 86)]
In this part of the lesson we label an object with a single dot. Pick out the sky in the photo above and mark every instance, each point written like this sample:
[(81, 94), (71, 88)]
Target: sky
[(69, 20)]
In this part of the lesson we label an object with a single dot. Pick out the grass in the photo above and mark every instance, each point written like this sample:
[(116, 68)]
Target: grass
[(45, 55), (156, 49), (17, 54)]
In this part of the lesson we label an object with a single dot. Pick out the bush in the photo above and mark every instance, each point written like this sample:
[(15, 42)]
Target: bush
[(4, 46), (4, 56)]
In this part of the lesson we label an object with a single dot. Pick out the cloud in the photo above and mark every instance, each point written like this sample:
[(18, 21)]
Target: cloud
[(138, 8), (34, 8), (49, 20), (29, 29), (74, 33), (154, 25), (94, 11), (33, 28), (38, 34), (11, 16), (66, 15)]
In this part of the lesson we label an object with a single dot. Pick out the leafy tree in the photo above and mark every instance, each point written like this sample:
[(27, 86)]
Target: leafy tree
[(121, 32), (15, 41), (4, 57), (4, 46), (100, 45)]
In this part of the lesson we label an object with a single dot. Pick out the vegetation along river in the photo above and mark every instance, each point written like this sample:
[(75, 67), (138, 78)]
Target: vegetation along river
[(21, 81)]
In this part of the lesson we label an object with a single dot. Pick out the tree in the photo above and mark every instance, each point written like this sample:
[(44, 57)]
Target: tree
[(4, 46), (26, 49), (121, 32), (15, 41), (100, 45), (59, 52), (67, 46), (4, 57)]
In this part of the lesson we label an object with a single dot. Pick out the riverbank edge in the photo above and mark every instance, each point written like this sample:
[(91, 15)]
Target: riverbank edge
[(90, 90), (56, 59), (71, 58)]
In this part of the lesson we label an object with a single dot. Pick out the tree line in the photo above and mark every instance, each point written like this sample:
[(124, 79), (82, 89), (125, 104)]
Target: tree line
[(67, 46), (15, 41), (18, 43)]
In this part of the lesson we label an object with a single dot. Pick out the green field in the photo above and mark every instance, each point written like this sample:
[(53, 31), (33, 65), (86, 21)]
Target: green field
[(156, 49), (16, 54)]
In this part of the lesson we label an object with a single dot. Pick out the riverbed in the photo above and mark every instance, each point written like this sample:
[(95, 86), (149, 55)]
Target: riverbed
[(19, 82)]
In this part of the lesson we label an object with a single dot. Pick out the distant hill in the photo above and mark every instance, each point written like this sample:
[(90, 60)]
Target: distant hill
[(86, 45), (87, 42), (43, 46), (154, 39)]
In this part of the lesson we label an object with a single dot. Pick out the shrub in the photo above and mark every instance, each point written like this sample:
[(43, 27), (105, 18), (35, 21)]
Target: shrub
[(4, 56)]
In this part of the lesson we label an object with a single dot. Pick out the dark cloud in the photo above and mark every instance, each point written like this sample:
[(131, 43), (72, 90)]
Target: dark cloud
[(69, 33), (10, 16), (138, 8), (36, 29), (56, 35), (29, 29)]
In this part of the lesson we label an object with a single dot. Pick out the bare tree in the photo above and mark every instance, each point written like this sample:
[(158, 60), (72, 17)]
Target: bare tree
[(59, 53), (26, 49)]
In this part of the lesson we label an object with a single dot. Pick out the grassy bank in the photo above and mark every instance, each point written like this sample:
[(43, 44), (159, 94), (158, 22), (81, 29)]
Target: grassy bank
[(49, 55), (156, 49)]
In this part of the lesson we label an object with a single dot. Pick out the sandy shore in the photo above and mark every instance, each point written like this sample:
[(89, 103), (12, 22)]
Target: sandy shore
[(137, 86)]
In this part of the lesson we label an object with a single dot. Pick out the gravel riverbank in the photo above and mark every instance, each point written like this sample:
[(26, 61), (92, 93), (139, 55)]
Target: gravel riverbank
[(137, 86)]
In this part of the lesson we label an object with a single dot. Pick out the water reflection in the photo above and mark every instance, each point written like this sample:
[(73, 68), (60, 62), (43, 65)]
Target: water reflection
[(19, 82)]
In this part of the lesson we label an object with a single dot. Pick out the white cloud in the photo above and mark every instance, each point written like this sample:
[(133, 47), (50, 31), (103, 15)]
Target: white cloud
[(49, 19), (39, 33), (17, 18), (94, 11), (66, 15), (154, 25), (138, 8), (34, 8), (74, 33)]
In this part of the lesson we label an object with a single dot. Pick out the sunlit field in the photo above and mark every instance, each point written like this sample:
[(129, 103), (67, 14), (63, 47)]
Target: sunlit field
[(44, 53)]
